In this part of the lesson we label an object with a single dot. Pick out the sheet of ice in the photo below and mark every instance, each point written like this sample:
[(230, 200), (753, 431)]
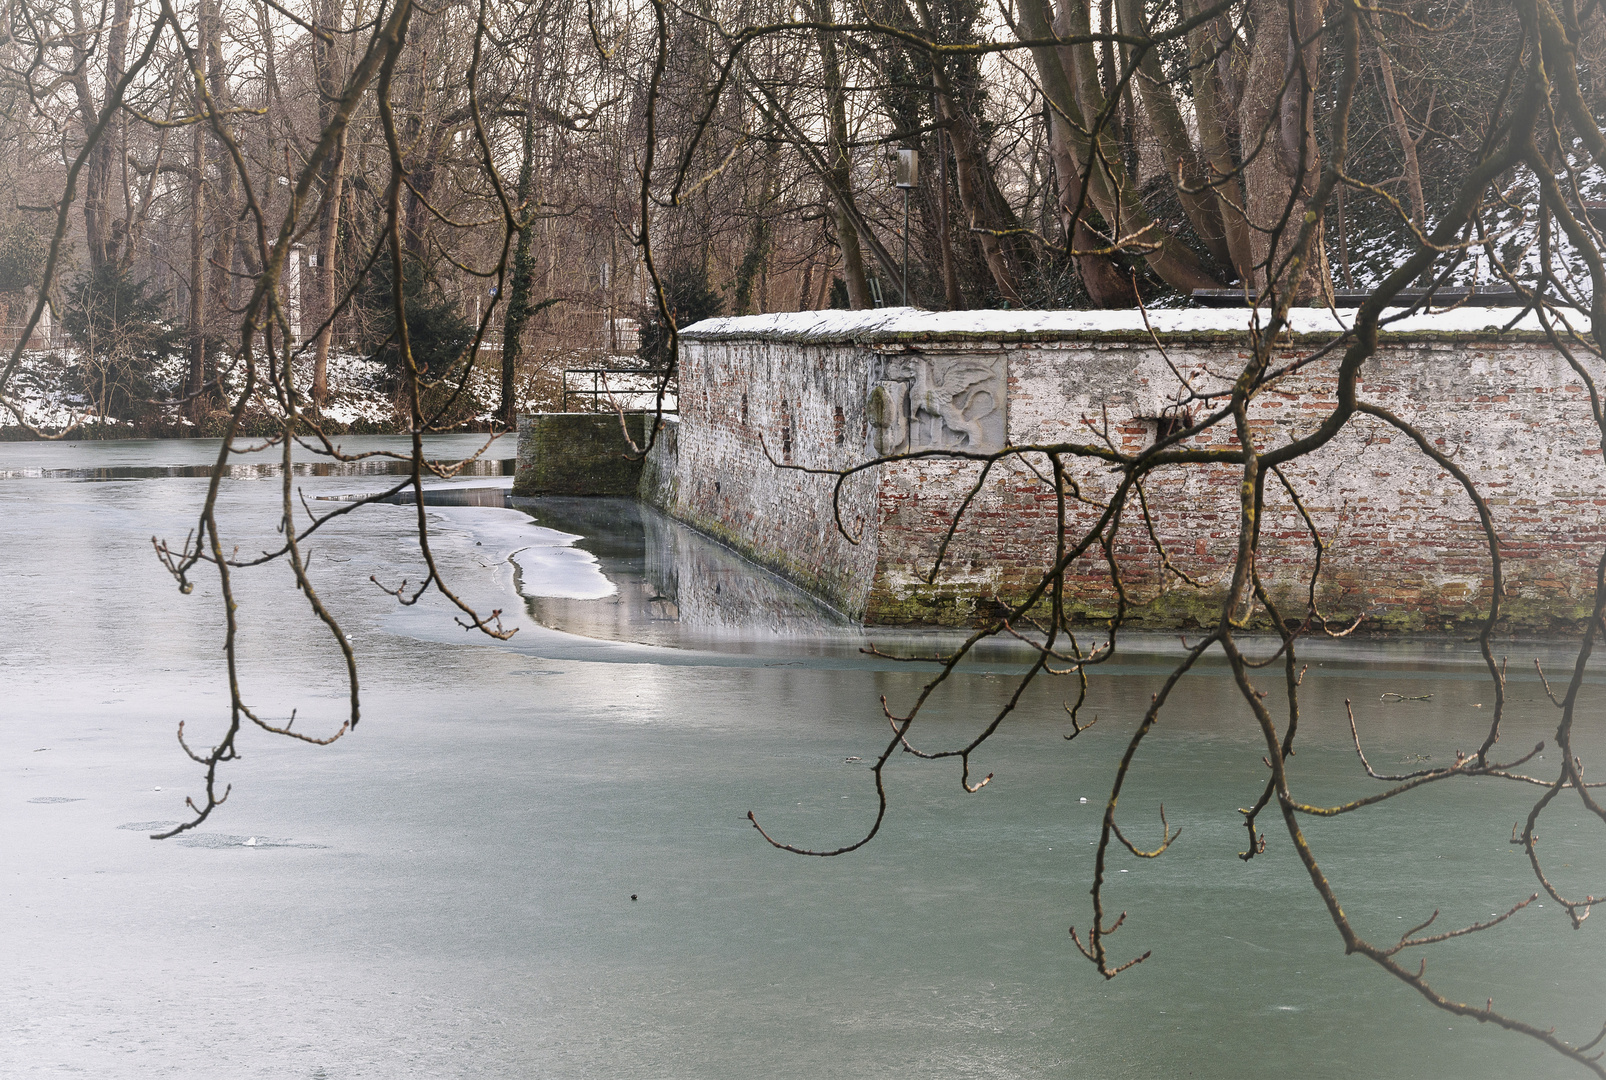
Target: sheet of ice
[(115, 453), (890, 323), (469, 911), (550, 566), (561, 573)]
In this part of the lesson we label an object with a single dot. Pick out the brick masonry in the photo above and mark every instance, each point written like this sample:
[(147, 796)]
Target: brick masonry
[(752, 414), (764, 401)]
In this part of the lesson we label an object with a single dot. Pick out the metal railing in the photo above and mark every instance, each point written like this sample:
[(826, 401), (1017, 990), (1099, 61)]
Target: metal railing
[(629, 388)]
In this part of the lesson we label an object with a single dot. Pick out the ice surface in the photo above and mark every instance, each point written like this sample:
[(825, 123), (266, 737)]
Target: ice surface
[(561, 572), (469, 915), (549, 563)]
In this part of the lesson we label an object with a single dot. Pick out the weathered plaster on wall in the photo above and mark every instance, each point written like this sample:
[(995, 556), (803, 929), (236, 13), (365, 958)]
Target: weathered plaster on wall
[(746, 405), (1402, 541)]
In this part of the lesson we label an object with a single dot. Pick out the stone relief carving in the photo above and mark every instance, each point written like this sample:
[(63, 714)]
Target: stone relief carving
[(954, 402), (888, 410)]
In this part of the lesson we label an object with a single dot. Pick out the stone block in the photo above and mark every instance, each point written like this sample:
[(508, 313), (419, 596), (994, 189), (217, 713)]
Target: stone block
[(578, 454)]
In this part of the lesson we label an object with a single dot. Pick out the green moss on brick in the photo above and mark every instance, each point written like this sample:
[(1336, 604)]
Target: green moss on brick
[(578, 454)]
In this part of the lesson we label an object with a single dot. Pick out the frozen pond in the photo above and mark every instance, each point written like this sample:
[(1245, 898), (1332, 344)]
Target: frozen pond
[(448, 891)]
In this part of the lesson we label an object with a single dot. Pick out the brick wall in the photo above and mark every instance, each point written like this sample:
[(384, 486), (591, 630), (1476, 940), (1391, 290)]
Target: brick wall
[(744, 404), (1402, 542)]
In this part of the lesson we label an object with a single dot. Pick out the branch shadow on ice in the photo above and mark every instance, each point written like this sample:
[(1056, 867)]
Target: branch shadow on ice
[(217, 840)]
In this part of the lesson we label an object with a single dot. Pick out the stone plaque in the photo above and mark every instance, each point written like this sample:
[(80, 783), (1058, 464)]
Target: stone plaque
[(888, 410), (952, 402)]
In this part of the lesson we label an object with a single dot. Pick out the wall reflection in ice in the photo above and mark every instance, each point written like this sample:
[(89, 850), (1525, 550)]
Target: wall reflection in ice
[(674, 586)]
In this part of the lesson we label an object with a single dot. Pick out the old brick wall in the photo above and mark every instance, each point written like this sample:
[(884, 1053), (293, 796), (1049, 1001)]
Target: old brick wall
[(744, 403), (1402, 542)]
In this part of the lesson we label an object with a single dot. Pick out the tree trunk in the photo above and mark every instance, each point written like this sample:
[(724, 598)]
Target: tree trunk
[(421, 133), (804, 287), (1106, 285), (968, 172), (1160, 103), (827, 273), (950, 280), (979, 197), (195, 379), (1070, 82), (229, 235), (758, 241), (100, 232), (330, 78), (1214, 111), (991, 220), (1277, 188), (840, 164), (518, 301)]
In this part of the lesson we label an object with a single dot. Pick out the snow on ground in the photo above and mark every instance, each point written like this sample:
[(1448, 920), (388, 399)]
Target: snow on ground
[(45, 388), (356, 391), (39, 388), (615, 387)]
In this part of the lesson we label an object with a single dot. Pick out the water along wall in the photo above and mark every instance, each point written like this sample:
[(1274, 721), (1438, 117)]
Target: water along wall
[(772, 405)]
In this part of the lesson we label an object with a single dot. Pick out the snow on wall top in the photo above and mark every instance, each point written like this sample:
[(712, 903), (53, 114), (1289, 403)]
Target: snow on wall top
[(891, 325)]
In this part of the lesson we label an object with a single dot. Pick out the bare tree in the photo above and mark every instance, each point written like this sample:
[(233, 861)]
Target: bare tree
[(1192, 145)]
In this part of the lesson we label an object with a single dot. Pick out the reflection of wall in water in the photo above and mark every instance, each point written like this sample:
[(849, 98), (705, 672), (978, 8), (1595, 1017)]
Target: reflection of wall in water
[(711, 589), (610, 529), (672, 582)]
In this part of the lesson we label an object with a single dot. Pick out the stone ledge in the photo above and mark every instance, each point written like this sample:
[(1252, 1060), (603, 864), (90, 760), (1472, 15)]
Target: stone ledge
[(911, 326)]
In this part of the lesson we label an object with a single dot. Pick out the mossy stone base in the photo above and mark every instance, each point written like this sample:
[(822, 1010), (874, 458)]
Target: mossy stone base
[(578, 454)]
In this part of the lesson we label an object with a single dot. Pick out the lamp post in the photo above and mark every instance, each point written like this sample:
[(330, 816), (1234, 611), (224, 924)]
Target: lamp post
[(908, 177)]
